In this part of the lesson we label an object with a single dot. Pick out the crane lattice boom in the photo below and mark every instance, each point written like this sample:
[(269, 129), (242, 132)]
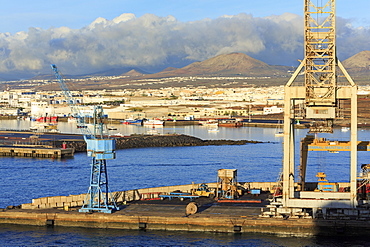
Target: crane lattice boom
[(99, 147)]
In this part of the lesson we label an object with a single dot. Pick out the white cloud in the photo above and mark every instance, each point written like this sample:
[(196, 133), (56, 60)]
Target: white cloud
[(153, 43)]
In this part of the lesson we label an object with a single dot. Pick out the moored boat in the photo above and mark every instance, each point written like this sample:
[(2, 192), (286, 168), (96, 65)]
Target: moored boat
[(230, 123), (132, 121), (153, 122), (279, 134), (47, 119), (209, 123), (48, 127)]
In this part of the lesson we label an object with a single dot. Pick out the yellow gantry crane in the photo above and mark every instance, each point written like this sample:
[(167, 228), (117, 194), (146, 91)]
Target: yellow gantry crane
[(326, 83)]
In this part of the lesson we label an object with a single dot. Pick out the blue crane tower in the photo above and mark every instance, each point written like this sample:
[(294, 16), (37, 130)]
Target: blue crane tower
[(99, 147)]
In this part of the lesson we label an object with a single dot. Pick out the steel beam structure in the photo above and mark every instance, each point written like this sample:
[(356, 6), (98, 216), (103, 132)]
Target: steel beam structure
[(320, 95), (99, 147)]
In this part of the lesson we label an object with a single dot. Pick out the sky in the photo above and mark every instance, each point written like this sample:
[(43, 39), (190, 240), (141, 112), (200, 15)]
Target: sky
[(19, 15), (163, 33)]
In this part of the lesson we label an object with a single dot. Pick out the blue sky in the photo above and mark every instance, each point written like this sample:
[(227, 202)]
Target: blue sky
[(19, 15)]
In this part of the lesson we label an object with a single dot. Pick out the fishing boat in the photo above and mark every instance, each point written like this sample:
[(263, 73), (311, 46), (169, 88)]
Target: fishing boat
[(47, 119), (47, 127), (230, 123), (153, 122), (117, 135), (209, 123), (132, 121)]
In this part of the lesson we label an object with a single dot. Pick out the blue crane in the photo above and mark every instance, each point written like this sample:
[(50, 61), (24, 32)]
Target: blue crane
[(99, 147)]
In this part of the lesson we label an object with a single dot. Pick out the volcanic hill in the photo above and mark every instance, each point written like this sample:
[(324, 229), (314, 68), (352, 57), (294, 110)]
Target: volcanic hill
[(226, 65), (358, 64)]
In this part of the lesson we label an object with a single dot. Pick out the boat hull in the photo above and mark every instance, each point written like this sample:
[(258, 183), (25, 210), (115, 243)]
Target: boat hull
[(129, 121)]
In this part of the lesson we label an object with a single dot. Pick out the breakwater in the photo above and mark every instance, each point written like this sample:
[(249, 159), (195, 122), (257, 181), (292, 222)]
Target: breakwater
[(170, 140)]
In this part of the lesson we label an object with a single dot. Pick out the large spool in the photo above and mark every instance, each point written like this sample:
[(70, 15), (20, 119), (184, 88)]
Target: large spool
[(191, 208)]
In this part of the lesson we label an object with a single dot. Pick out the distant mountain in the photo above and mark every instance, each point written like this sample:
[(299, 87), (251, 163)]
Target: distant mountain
[(110, 72), (226, 65), (358, 64), (170, 69), (234, 64), (133, 73), (117, 72), (44, 77)]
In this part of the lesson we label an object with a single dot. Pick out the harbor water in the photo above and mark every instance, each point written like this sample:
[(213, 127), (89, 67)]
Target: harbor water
[(27, 178)]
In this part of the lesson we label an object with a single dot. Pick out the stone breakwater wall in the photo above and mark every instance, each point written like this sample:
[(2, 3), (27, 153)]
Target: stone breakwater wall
[(170, 140)]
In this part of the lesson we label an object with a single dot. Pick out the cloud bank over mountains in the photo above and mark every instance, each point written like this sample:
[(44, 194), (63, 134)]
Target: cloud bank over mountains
[(153, 43)]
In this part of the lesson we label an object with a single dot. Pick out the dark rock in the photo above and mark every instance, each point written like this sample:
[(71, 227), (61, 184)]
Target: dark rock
[(172, 140)]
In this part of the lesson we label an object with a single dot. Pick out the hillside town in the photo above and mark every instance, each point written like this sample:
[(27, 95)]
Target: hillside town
[(180, 103), (164, 103)]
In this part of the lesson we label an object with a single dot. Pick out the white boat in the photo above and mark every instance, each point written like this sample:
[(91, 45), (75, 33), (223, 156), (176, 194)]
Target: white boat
[(153, 122), (117, 135), (45, 127), (345, 129), (209, 123), (279, 132), (34, 128), (111, 127)]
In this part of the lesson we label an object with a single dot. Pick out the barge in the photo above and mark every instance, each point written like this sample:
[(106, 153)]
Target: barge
[(172, 217), (143, 209)]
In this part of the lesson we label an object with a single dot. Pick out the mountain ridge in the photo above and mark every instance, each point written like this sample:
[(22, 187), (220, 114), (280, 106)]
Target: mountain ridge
[(232, 64), (226, 64)]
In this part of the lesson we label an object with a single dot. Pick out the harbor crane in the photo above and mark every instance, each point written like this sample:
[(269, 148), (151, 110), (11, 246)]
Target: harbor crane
[(99, 147), (318, 96)]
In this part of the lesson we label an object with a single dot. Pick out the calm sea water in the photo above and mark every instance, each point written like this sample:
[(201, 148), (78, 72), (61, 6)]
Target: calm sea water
[(27, 178)]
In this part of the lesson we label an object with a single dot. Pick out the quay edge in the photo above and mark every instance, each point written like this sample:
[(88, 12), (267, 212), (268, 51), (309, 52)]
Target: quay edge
[(212, 216), (225, 223)]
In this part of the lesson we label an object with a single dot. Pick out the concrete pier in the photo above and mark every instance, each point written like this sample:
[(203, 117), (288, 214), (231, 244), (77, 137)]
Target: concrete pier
[(141, 210), (36, 152), (172, 217)]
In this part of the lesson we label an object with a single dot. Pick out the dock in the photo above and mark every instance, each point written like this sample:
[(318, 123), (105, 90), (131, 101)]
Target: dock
[(36, 151), (142, 209), (171, 216)]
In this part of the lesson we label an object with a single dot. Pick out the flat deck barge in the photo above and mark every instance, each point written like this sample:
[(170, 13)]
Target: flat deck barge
[(172, 217), (143, 210)]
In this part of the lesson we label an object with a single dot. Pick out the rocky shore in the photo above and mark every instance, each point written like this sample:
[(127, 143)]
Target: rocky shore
[(171, 140)]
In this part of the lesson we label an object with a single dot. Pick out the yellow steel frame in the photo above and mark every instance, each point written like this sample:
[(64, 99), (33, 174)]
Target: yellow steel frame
[(320, 90), (320, 53)]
